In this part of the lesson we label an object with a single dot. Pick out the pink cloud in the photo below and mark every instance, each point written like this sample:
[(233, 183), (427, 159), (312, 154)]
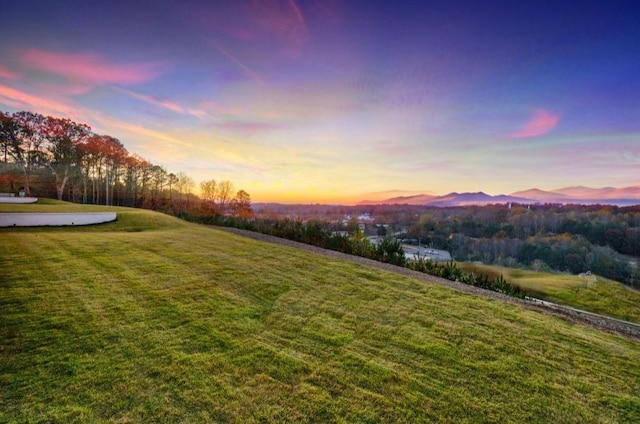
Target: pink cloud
[(89, 67), (300, 23), (154, 100), (111, 123), (541, 122), (165, 103), (281, 21), (7, 73), (284, 19), (21, 100), (198, 113)]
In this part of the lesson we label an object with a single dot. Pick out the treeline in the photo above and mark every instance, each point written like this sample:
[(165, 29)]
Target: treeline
[(55, 157), (568, 238)]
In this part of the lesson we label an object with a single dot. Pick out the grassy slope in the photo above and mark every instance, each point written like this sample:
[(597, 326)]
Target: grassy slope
[(592, 293), (153, 319)]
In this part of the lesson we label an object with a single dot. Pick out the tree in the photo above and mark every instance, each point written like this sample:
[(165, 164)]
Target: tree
[(64, 137), (159, 178), (133, 166), (361, 246), (208, 191), (8, 133), (172, 180), (105, 162), (224, 192), (184, 185), (87, 159), (390, 251), (24, 141), (115, 159), (241, 205)]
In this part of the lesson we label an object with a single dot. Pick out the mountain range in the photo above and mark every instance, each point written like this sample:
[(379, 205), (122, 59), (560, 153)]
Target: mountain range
[(625, 196)]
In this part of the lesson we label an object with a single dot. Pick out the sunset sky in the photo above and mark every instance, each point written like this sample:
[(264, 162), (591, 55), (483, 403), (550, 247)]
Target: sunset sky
[(335, 101)]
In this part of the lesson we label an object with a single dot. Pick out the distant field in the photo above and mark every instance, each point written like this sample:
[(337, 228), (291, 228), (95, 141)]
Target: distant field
[(152, 319), (592, 293)]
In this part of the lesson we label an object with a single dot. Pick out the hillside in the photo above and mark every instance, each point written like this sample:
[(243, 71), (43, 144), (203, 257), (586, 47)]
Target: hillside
[(587, 292), (151, 319)]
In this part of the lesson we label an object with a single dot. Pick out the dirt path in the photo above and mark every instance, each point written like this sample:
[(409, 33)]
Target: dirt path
[(612, 325)]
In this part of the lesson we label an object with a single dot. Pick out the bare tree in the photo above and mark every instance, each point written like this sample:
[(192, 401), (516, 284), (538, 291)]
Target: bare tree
[(159, 176), (208, 191), (185, 185), (172, 180)]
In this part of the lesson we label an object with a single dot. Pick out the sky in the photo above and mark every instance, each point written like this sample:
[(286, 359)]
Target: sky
[(339, 101)]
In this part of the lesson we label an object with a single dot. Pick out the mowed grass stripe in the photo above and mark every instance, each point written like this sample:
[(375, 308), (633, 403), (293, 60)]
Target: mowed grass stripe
[(162, 321)]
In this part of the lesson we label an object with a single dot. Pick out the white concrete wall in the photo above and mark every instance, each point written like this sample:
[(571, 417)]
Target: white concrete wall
[(18, 199), (20, 219)]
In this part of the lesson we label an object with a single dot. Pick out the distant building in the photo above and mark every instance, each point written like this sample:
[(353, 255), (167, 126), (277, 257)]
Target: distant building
[(366, 218)]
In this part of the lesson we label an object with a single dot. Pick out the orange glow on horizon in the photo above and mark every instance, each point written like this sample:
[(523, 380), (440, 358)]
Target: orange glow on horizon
[(316, 197)]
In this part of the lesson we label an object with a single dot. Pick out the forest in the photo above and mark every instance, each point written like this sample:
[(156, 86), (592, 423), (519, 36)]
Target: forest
[(568, 238), (51, 157), (577, 239)]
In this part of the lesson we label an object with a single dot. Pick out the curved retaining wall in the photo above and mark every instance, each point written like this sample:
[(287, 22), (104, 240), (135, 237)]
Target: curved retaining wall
[(27, 219), (7, 199)]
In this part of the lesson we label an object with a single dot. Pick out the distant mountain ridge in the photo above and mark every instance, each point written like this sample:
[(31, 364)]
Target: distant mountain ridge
[(418, 199), (625, 196)]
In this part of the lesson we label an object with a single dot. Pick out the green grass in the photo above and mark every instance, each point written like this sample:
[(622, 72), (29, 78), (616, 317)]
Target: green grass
[(592, 293), (151, 319)]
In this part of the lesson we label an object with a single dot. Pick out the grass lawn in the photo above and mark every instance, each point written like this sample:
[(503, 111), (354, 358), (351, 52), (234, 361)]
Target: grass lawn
[(592, 293), (152, 319)]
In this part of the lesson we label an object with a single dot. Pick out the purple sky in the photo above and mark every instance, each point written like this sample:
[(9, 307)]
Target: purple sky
[(335, 100)]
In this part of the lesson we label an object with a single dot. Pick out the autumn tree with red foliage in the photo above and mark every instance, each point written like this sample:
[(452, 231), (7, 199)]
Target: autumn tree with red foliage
[(81, 166)]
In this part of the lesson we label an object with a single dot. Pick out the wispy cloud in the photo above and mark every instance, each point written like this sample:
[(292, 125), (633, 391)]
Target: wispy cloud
[(90, 67), (198, 113), (154, 100), (164, 103), (541, 122), (22, 100), (248, 72), (301, 25), (280, 22), (282, 19), (113, 123), (279, 19)]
